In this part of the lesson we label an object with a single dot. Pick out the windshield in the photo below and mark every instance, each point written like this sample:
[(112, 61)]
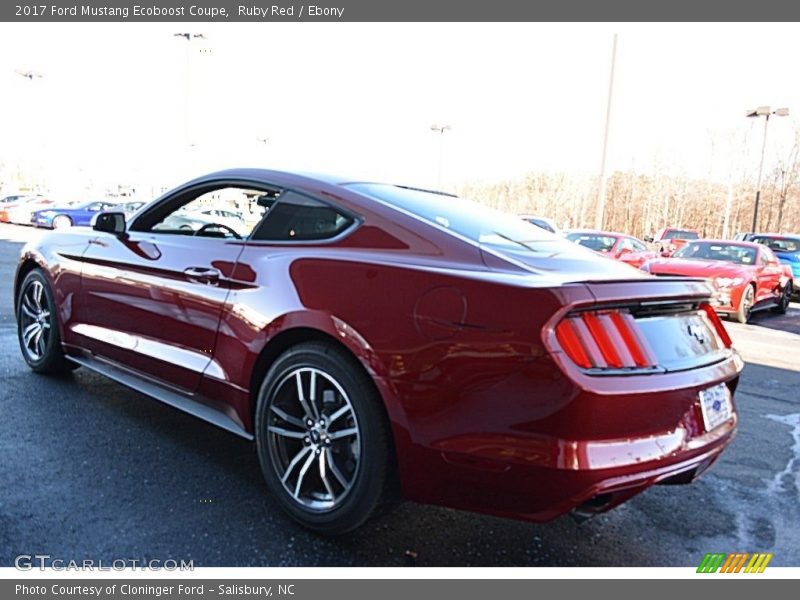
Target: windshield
[(741, 255), (469, 219), (681, 234), (593, 241)]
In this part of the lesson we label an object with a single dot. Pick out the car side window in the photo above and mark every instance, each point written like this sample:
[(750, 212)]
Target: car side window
[(95, 206), (226, 212), (767, 256), (638, 246), (295, 217)]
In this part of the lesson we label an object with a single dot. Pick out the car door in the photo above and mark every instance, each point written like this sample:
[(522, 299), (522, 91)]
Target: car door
[(151, 298), (769, 274)]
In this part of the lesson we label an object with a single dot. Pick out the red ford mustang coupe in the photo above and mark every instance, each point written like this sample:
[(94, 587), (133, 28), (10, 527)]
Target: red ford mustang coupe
[(619, 246), (375, 338), (746, 275)]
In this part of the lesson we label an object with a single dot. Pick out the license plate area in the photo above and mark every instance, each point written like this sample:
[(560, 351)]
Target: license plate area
[(716, 406)]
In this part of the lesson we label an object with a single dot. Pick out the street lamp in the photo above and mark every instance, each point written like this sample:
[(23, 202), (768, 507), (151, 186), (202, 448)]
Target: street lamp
[(189, 37), (440, 129), (766, 112)]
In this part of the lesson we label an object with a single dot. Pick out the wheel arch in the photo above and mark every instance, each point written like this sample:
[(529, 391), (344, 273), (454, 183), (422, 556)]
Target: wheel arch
[(346, 340), (26, 265)]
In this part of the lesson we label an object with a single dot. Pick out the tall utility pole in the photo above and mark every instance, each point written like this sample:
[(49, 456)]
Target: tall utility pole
[(601, 194), (766, 112), (189, 37), (440, 129)]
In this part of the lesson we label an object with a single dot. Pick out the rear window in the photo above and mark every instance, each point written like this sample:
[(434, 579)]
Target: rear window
[(598, 243), (469, 219), (681, 234)]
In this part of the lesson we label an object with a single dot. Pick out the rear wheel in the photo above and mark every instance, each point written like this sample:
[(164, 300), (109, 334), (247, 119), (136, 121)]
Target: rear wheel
[(62, 222), (323, 439), (746, 305), (785, 299), (37, 326)]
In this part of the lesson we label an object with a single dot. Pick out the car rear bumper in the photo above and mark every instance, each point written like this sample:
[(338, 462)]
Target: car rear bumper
[(538, 477)]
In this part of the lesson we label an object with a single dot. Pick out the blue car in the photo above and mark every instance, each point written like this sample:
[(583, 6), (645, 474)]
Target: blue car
[(79, 215), (785, 247)]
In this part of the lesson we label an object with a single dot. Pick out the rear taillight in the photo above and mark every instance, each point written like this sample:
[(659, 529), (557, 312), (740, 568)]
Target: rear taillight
[(719, 327), (608, 339)]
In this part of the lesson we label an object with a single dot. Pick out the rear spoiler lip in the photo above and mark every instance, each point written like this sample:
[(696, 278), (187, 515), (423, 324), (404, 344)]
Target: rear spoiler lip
[(649, 292)]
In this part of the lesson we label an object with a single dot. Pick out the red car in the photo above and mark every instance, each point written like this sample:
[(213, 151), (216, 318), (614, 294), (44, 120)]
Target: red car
[(619, 246), (372, 338), (670, 239), (746, 275)]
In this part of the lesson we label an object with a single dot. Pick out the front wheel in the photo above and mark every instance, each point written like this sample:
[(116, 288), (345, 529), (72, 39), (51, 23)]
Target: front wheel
[(746, 305), (323, 439), (37, 326)]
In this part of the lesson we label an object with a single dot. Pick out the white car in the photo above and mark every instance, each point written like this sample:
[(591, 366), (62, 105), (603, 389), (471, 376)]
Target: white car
[(22, 213)]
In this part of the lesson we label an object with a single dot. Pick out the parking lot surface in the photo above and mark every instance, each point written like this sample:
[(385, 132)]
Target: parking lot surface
[(92, 470)]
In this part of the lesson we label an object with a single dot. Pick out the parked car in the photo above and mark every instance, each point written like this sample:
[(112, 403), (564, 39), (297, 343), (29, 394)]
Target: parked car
[(21, 213), (748, 276), (618, 246), (372, 338), (543, 222), (670, 239), (6, 208), (77, 215), (194, 220), (786, 248)]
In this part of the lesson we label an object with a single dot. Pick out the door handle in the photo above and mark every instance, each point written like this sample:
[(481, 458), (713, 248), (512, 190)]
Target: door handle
[(205, 275)]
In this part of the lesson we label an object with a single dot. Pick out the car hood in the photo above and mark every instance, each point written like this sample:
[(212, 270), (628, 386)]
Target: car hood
[(696, 268)]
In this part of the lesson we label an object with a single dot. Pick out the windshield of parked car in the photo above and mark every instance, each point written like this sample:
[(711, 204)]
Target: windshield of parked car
[(681, 234), (469, 219), (593, 241), (742, 255)]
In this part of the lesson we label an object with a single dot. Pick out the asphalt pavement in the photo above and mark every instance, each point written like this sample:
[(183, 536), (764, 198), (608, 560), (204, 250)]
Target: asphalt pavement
[(92, 470)]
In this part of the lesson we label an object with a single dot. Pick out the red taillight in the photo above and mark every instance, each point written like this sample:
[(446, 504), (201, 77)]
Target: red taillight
[(604, 339), (719, 327)]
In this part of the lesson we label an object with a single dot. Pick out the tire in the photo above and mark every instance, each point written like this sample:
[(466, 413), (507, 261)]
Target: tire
[(786, 298), (326, 458), (746, 305), (37, 327), (62, 222)]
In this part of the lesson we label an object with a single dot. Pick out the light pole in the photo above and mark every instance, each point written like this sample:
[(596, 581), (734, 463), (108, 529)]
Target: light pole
[(601, 192), (440, 129), (766, 112), (37, 140), (189, 37)]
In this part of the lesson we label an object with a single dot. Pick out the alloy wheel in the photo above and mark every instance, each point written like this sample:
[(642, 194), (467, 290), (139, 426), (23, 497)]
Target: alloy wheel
[(34, 320), (314, 438)]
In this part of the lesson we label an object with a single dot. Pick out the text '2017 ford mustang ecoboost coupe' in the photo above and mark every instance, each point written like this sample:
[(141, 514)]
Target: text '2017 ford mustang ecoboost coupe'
[(376, 338)]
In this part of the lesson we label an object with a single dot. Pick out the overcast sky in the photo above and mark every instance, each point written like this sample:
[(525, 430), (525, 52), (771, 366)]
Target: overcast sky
[(359, 99)]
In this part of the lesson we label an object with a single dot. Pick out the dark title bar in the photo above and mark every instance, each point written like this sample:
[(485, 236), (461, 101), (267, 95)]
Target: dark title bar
[(397, 589), (399, 10)]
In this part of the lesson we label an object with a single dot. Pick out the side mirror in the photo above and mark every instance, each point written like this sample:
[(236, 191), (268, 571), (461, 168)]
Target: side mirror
[(624, 251), (109, 222)]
